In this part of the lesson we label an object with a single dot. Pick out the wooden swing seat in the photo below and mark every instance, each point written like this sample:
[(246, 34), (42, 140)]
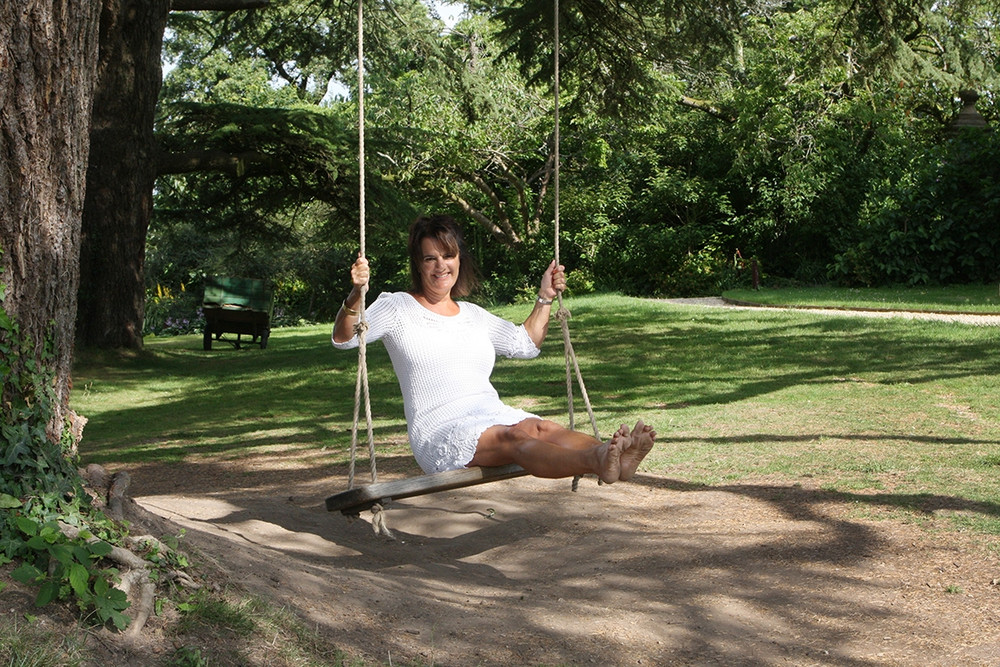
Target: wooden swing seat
[(358, 499)]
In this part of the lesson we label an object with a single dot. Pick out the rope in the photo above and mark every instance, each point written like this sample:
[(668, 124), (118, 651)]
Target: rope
[(562, 313), (378, 522), (362, 392)]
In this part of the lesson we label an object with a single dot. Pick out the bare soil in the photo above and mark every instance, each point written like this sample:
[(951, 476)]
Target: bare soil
[(652, 572)]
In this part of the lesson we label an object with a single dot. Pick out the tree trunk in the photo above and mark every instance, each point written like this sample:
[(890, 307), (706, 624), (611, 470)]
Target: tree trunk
[(121, 174), (48, 68)]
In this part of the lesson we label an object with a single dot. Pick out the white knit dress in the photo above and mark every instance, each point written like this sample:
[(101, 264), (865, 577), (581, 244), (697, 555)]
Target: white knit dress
[(443, 364)]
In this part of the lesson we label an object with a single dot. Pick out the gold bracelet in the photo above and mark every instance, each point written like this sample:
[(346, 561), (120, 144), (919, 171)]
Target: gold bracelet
[(347, 309)]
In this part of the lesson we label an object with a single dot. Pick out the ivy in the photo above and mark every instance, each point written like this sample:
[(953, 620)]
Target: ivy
[(40, 489)]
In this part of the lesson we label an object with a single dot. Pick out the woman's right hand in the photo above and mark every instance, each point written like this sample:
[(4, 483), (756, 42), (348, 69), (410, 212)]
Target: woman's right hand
[(360, 272)]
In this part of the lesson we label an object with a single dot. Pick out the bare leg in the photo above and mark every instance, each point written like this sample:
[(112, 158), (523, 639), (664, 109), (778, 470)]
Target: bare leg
[(550, 431), (640, 444), (500, 445)]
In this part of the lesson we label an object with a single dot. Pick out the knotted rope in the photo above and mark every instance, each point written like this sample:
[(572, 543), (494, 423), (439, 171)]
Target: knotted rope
[(362, 392), (361, 388), (562, 313)]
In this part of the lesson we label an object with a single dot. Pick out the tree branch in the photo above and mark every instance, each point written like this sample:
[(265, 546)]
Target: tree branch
[(216, 5), (210, 160), (503, 222), (707, 107), (471, 211)]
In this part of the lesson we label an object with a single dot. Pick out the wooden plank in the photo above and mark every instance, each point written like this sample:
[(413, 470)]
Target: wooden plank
[(361, 498)]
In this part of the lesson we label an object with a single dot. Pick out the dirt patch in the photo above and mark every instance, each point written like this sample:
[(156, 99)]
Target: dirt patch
[(652, 572)]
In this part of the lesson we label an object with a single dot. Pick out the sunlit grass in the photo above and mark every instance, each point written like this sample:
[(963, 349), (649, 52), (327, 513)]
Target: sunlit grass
[(898, 415), (960, 298), (26, 642)]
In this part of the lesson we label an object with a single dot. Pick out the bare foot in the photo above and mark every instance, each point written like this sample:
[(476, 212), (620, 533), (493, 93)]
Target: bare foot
[(611, 464), (641, 442)]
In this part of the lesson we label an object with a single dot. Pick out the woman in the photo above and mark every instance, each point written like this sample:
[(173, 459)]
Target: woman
[(443, 352)]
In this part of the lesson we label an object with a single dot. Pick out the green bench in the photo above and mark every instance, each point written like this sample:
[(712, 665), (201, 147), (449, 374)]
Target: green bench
[(240, 306)]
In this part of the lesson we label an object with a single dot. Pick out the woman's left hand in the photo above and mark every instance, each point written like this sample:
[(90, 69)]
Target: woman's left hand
[(553, 281)]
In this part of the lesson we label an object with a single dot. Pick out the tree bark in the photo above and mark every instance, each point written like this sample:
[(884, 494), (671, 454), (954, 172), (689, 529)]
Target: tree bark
[(121, 174), (48, 64)]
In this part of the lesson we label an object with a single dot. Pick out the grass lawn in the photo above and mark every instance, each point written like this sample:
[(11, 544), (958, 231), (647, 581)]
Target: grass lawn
[(962, 299), (899, 417)]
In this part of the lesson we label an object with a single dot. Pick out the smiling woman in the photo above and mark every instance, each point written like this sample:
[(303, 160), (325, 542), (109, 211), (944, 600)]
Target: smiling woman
[(443, 352)]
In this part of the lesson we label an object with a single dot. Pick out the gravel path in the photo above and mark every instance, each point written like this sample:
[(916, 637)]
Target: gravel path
[(966, 318)]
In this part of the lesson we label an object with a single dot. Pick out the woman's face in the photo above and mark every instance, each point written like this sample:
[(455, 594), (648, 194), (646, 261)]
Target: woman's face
[(438, 268)]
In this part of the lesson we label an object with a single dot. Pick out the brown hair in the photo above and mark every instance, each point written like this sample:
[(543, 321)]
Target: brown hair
[(445, 230)]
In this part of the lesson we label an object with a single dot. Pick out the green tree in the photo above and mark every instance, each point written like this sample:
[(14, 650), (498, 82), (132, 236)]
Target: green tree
[(125, 164), (476, 134)]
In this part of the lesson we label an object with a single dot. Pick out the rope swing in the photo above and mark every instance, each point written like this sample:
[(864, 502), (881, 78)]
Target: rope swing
[(353, 501), (562, 313)]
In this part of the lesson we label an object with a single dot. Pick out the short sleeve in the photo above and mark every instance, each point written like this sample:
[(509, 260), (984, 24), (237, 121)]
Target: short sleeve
[(509, 340), (380, 317)]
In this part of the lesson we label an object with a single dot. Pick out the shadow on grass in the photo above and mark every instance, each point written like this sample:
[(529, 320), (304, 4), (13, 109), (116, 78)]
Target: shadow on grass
[(668, 359), (797, 502)]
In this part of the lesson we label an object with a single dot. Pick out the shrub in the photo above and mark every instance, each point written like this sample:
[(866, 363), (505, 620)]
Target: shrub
[(173, 313), (937, 225)]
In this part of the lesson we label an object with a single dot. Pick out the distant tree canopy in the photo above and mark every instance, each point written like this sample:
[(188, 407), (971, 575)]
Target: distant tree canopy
[(690, 131)]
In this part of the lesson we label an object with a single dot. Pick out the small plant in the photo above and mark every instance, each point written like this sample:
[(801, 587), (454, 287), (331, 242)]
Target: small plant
[(203, 609), (61, 567), (188, 656), (953, 589), (40, 490), (29, 644), (172, 313)]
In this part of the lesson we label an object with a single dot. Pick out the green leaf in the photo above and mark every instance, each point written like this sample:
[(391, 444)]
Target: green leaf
[(79, 577), (27, 526), (110, 604), (81, 553), (37, 544), (27, 574), (62, 553), (8, 501), (120, 620), (99, 549), (48, 593)]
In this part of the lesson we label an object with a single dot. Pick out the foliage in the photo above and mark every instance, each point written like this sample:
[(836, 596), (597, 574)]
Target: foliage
[(64, 567), (40, 487), (616, 51), (478, 138), (170, 313), (689, 131), (936, 225), (285, 206)]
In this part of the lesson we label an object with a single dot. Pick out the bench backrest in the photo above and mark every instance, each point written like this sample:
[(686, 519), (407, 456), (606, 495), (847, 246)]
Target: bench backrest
[(246, 293)]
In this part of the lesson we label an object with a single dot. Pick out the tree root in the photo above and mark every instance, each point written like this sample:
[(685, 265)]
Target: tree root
[(144, 599), (140, 581)]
